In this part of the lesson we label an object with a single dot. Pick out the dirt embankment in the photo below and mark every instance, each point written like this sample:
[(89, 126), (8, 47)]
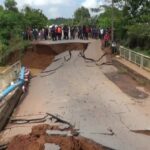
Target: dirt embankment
[(37, 59), (41, 55), (38, 137)]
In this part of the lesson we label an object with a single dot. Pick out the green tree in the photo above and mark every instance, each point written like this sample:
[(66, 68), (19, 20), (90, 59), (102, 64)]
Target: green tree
[(136, 20), (104, 20), (59, 21), (34, 18), (12, 24), (82, 15), (1, 8), (11, 5), (135, 10)]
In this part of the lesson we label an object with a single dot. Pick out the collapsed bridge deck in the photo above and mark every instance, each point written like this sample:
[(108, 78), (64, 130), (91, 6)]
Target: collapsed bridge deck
[(78, 91)]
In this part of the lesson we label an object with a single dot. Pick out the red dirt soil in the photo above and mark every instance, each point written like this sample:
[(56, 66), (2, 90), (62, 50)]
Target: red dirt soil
[(41, 56), (36, 60), (38, 137)]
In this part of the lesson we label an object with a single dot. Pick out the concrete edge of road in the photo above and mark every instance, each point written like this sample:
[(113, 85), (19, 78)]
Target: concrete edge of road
[(8, 105), (133, 70)]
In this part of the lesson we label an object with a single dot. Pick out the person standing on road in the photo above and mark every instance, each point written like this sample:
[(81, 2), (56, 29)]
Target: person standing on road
[(114, 47), (80, 33), (84, 32), (106, 39), (59, 32), (35, 34), (45, 33), (53, 33), (66, 32), (72, 32)]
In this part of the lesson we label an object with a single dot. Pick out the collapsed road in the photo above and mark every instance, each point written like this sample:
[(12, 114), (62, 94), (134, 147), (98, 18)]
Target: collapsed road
[(75, 90)]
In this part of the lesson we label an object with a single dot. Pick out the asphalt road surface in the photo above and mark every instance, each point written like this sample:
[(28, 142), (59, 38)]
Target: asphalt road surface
[(79, 92)]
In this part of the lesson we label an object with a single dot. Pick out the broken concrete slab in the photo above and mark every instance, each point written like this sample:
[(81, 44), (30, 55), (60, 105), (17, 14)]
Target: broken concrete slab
[(49, 146), (58, 132)]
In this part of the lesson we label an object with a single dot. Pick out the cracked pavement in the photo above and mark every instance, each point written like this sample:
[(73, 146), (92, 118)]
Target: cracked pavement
[(80, 93)]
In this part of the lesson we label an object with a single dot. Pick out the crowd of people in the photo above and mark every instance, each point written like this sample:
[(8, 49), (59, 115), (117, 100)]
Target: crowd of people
[(55, 32)]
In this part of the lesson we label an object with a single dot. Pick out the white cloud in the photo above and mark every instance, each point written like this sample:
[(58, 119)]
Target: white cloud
[(57, 8), (51, 8), (39, 3), (53, 12), (90, 3)]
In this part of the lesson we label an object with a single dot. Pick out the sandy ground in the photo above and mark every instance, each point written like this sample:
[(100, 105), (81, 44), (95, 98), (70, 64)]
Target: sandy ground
[(80, 93)]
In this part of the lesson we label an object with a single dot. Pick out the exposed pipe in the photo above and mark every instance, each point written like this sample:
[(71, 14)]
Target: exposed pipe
[(19, 82)]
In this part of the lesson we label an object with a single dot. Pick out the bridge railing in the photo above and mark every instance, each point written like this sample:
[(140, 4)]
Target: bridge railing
[(9, 75), (141, 60)]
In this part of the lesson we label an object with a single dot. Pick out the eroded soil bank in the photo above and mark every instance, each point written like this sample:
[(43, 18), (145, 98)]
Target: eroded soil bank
[(38, 138), (42, 55)]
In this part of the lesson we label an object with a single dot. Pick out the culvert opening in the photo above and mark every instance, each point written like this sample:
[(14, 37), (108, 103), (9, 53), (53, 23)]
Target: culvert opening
[(46, 137)]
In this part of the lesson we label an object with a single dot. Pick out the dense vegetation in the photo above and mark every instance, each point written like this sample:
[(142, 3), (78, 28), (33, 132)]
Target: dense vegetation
[(13, 22), (131, 23), (61, 21)]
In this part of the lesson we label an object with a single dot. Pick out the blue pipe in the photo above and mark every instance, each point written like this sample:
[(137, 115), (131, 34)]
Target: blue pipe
[(22, 72), (19, 82)]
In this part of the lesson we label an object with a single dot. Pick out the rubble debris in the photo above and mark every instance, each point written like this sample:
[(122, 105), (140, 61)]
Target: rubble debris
[(53, 69), (97, 62), (48, 146), (48, 116), (70, 55), (57, 132), (3, 146), (110, 133), (57, 59), (38, 137), (64, 126), (25, 121), (145, 132), (59, 120)]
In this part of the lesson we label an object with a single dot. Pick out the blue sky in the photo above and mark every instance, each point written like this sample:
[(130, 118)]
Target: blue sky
[(57, 8)]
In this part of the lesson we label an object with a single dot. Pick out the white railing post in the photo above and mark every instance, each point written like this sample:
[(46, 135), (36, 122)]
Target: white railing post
[(123, 53), (134, 57), (141, 61), (120, 51), (129, 55)]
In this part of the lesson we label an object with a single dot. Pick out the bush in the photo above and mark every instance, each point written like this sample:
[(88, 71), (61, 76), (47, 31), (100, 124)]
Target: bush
[(138, 36)]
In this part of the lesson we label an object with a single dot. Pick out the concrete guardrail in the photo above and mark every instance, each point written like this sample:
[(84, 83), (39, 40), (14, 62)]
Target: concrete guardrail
[(9, 75), (141, 60)]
